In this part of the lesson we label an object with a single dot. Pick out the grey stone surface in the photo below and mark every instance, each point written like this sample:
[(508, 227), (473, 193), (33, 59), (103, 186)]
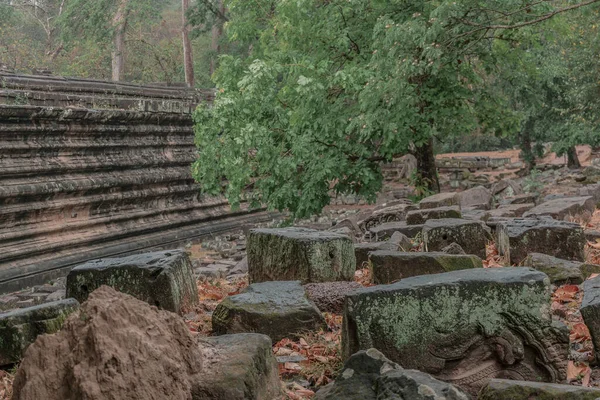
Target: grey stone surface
[(392, 213), (362, 250), (238, 367), (391, 266), (453, 248), (470, 235), (561, 209), (503, 389), (560, 271), (386, 230), (277, 309), (440, 200), (307, 255), (518, 237), (330, 296), (368, 375), (417, 217), (163, 278), (590, 310), (20, 328), (511, 210), (478, 196), (402, 241), (526, 198), (465, 327)]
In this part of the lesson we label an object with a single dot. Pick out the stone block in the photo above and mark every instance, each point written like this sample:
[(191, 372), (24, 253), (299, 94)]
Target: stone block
[(330, 296), (393, 213), (564, 208), (277, 309), (362, 250), (391, 266), (368, 375), (511, 210), (417, 217), (590, 310), (20, 328), (504, 389), (518, 237), (386, 230), (463, 327), (560, 271), (470, 235), (478, 196), (440, 200), (164, 279), (238, 367), (299, 254)]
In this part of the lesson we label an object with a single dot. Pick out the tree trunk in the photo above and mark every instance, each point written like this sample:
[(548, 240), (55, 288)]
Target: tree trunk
[(572, 159), (118, 52), (525, 139), (216, 33), (426, 166), (188, 60)]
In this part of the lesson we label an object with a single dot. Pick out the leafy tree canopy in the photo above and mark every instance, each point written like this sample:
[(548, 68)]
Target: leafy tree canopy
[(331, 88)]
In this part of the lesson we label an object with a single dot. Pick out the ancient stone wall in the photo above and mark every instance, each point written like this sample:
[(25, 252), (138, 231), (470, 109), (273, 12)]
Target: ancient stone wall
[(84, 183)]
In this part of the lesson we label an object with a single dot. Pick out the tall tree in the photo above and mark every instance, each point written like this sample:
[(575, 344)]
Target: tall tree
[(107, 21), (188, 59), (332, 88)]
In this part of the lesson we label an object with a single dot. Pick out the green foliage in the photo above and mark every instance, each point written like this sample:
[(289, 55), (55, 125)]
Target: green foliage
[(532, 183), (331, 88), (421, 187)]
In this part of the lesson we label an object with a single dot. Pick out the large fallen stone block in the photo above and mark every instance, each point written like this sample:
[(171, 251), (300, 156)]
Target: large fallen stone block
[(388, 214), (503, 389), (391, 266), (307, 255), (561, 209), (560, 271), (276, 309), (470, 235), (164, 279), (330, 296), (440, 200), (519, 237), (20, 328), (417, 217), (478, 197), (368, 375), (238, 367), (362, 250), (590, 310), (463, 327), (385, 231)]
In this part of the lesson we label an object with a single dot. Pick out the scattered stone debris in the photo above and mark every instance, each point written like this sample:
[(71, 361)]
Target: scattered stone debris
[(472, 236), (565, 208), (440, 200), (502, 389), (519, 237), (20, 328), (164, 279), (418, 217), (299, 254), (369, 375), (277, 309), (391, 266), (560, 271), (464, 327)]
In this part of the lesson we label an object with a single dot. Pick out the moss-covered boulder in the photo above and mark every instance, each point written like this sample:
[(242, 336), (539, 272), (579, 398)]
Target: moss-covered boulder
[(464, 327), (307, 255), (276, 309), (560, 271), (164, 279), (472, 236), (518, 237), (368, 375), (238, 367), (440, 200), (503, 389), (20, 328), (417, 217), (390, 266)]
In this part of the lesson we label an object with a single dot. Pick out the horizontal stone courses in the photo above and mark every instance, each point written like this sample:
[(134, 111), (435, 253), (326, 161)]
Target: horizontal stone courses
[(73, 183)]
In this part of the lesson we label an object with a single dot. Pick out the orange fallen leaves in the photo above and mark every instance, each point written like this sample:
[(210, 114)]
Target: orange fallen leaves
[(566, 293), (579, 371), (580, 333), (492, 256), (363, 276)]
